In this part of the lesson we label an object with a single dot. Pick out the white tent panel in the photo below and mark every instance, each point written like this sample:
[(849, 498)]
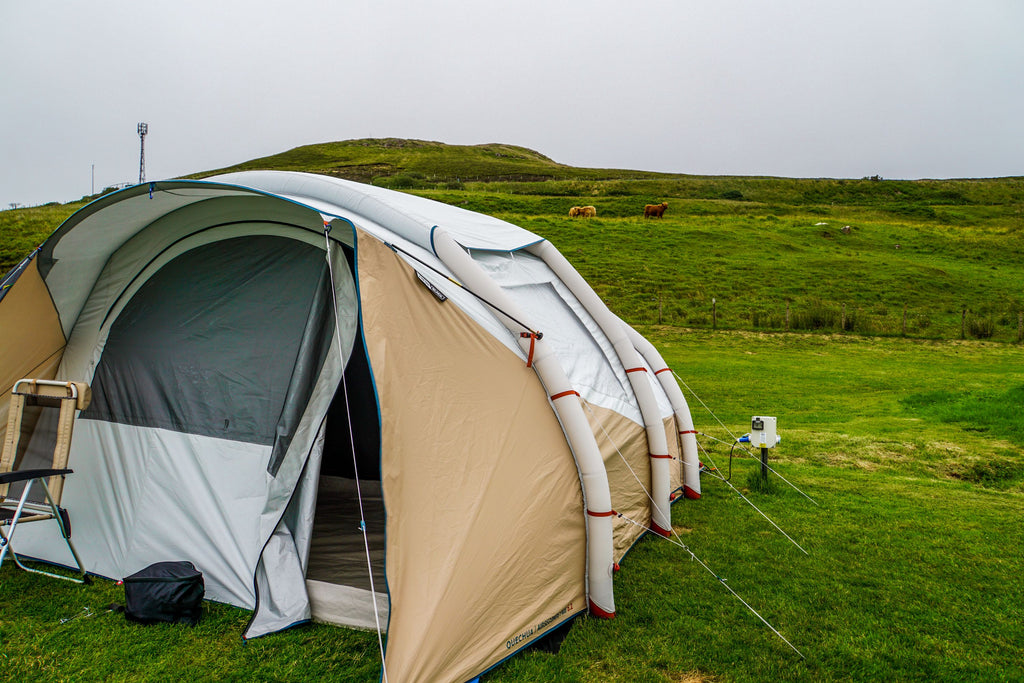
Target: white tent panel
[(347, 606), (139, 492), (102, 228), (583, 349)]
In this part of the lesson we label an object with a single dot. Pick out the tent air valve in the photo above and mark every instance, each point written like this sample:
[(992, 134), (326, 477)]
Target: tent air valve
[(533, 337)]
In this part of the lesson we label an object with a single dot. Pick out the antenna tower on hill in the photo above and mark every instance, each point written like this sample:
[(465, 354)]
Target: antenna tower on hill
[(143, 129)]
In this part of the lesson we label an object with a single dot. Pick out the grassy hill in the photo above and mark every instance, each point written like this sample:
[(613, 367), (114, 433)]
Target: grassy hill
[(925, 258), (393, 159)]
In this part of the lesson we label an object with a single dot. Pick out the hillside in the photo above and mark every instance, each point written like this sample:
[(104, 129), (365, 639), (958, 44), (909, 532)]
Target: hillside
[(391, 160), (927, 258), (419, 164)]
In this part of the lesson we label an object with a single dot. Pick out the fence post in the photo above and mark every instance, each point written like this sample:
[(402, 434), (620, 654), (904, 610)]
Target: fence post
[(787, 315)]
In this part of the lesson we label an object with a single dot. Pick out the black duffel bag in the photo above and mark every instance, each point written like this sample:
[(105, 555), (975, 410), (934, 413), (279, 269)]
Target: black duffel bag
[(164, 592)]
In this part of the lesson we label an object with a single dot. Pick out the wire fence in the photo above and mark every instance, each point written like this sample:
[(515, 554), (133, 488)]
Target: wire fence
[(816, 316)]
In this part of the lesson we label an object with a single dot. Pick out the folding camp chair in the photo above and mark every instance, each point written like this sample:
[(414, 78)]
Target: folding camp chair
[(69, 397)]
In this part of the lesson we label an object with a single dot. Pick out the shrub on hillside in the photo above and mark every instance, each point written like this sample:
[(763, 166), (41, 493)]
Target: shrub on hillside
[(815, 316), (981, 328), (764, 319), (855, 321), (402, 182)]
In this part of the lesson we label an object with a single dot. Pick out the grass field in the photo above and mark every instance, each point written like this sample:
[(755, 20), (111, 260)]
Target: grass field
[(915, 544), (912, 447)]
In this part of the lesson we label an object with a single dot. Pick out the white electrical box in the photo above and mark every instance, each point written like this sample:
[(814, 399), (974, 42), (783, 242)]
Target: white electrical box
[(762, 432)]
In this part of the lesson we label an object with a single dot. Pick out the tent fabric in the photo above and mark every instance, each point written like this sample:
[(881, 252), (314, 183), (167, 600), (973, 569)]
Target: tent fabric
[(228, 399), (28, 311), (72, 259), (338, 556), (427, 265), (623, 446), (584, 350), (186, 326), (513, 503), (8, 280), (32, 338)]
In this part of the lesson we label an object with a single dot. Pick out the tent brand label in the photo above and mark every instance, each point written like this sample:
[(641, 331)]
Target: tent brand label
[(525, 635), (529, 633)]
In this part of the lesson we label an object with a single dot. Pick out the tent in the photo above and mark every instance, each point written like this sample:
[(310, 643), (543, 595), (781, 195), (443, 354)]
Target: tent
[(347, 404)]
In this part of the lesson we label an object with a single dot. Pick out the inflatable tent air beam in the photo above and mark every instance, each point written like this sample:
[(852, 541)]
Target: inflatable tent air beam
[(615, 330), (684, 419)]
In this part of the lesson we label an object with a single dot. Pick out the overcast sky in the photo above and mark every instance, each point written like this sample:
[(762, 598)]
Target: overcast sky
[(823, 88)]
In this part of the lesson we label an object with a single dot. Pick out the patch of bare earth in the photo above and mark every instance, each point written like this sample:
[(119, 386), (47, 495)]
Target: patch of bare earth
[(692, 677)]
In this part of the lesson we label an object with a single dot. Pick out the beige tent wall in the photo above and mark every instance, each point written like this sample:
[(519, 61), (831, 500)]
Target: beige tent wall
[(486, 544), (32, 340), (623, 446)]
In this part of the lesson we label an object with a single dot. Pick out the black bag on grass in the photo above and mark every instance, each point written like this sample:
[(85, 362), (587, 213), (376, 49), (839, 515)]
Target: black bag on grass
[(164, 592)]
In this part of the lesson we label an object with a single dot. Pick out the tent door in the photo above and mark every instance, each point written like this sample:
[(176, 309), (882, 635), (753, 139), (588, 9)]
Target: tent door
[(337, 575)]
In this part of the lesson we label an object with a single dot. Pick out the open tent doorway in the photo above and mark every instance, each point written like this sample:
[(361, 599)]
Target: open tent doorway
[(348, 493)]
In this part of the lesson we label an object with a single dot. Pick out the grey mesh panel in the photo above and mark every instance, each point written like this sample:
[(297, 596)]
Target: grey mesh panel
[(210, 344), (313, 347)]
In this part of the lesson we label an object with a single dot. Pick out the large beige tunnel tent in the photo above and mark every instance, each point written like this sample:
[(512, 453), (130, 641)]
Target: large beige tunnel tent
[(277, 359)]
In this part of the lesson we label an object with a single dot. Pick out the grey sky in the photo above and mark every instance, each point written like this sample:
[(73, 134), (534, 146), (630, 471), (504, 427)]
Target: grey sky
[(902, 88)]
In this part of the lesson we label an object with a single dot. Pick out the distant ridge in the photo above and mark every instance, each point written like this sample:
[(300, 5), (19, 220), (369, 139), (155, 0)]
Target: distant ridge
[(368, 159), (422, 165)]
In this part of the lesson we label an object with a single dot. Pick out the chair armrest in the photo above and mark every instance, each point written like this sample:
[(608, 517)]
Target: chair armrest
[(23, 475)]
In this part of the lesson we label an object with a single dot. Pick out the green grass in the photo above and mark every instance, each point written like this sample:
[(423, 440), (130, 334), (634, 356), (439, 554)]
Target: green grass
[(912, 447), (913, 572), (96, 644), (22, 230)]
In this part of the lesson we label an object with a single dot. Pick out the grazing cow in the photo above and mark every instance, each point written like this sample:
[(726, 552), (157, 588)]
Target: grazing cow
[(574, 212), (588, 212), (655, 210)]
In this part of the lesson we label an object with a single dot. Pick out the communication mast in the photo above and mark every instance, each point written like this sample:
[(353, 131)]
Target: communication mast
[(143, 129)]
